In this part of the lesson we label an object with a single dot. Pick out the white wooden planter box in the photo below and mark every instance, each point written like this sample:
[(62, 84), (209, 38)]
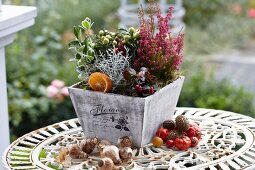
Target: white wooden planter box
[(111, 116)]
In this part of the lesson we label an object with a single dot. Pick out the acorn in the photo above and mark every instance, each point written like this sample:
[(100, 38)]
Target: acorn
[(182, 123), (172, 135), (88, 145), (169, 124)]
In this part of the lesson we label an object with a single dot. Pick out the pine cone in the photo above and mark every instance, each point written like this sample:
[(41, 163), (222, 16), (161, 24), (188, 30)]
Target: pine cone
[(182, 123)]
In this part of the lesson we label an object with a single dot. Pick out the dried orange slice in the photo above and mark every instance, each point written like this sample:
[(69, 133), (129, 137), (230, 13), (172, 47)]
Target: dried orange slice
[(100, 82)]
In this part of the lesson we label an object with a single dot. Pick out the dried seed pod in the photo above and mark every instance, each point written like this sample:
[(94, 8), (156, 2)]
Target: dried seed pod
[(74, 151), (88, 145), (102, 144), (111, 152), (125, 142), (126, 154)]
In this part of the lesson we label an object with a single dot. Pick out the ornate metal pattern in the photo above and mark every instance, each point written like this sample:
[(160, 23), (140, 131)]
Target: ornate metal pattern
[(228, 142)]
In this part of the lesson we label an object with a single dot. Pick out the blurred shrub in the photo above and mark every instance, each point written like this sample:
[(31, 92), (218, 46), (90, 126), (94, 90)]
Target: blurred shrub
[(28, 77), (203, 91), (221, 33), (39, 55), (200, 12)]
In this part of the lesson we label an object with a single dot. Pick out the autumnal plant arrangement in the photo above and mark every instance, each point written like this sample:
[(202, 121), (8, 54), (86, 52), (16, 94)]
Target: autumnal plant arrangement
[(133, 62), (130, 77)]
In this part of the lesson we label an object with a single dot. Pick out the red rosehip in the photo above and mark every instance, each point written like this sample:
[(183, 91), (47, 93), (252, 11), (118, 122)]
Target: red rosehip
[(194, 141), (193, 124), (138, 88), (151, 90), (169, 143), (191, 132), (198, 134), (182, 143), (162, 133)]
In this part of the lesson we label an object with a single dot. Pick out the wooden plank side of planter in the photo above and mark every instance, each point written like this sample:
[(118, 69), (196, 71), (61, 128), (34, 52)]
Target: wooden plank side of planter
[(109, 116), (160, 107)]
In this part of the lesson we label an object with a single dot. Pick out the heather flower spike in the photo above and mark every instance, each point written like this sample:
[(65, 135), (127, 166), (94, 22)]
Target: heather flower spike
[(159, 51)]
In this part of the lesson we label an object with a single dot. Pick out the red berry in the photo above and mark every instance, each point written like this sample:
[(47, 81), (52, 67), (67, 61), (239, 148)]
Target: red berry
[(194, 141), (151, 90), (162, 133), (198, 134), (138, 88), (193, 124), (191, 132), (169, 143), (182, 143)]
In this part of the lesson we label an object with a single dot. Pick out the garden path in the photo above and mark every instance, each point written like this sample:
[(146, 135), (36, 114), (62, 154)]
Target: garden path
[(236, 66)]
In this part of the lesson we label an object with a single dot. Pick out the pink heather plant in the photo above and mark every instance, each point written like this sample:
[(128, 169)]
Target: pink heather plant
[(160, 52)]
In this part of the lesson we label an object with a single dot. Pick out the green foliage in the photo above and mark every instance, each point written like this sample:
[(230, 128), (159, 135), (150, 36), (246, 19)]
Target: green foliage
[(39, 55), (203, 91), (42, 154), (200, 12), (221, 33), (96, 52), (27, 90)]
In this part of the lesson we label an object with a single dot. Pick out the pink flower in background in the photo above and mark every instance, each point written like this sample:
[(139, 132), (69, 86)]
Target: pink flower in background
[(52, 91), (236, 8), (251, 12), (57, 90), (65, 91), (58, 83)]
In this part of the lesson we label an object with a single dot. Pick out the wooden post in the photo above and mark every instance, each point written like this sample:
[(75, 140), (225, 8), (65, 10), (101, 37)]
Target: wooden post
[(12, 20), (5, 139)]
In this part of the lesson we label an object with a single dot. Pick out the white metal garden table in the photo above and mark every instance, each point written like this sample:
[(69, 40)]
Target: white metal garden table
[(228, 142)]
